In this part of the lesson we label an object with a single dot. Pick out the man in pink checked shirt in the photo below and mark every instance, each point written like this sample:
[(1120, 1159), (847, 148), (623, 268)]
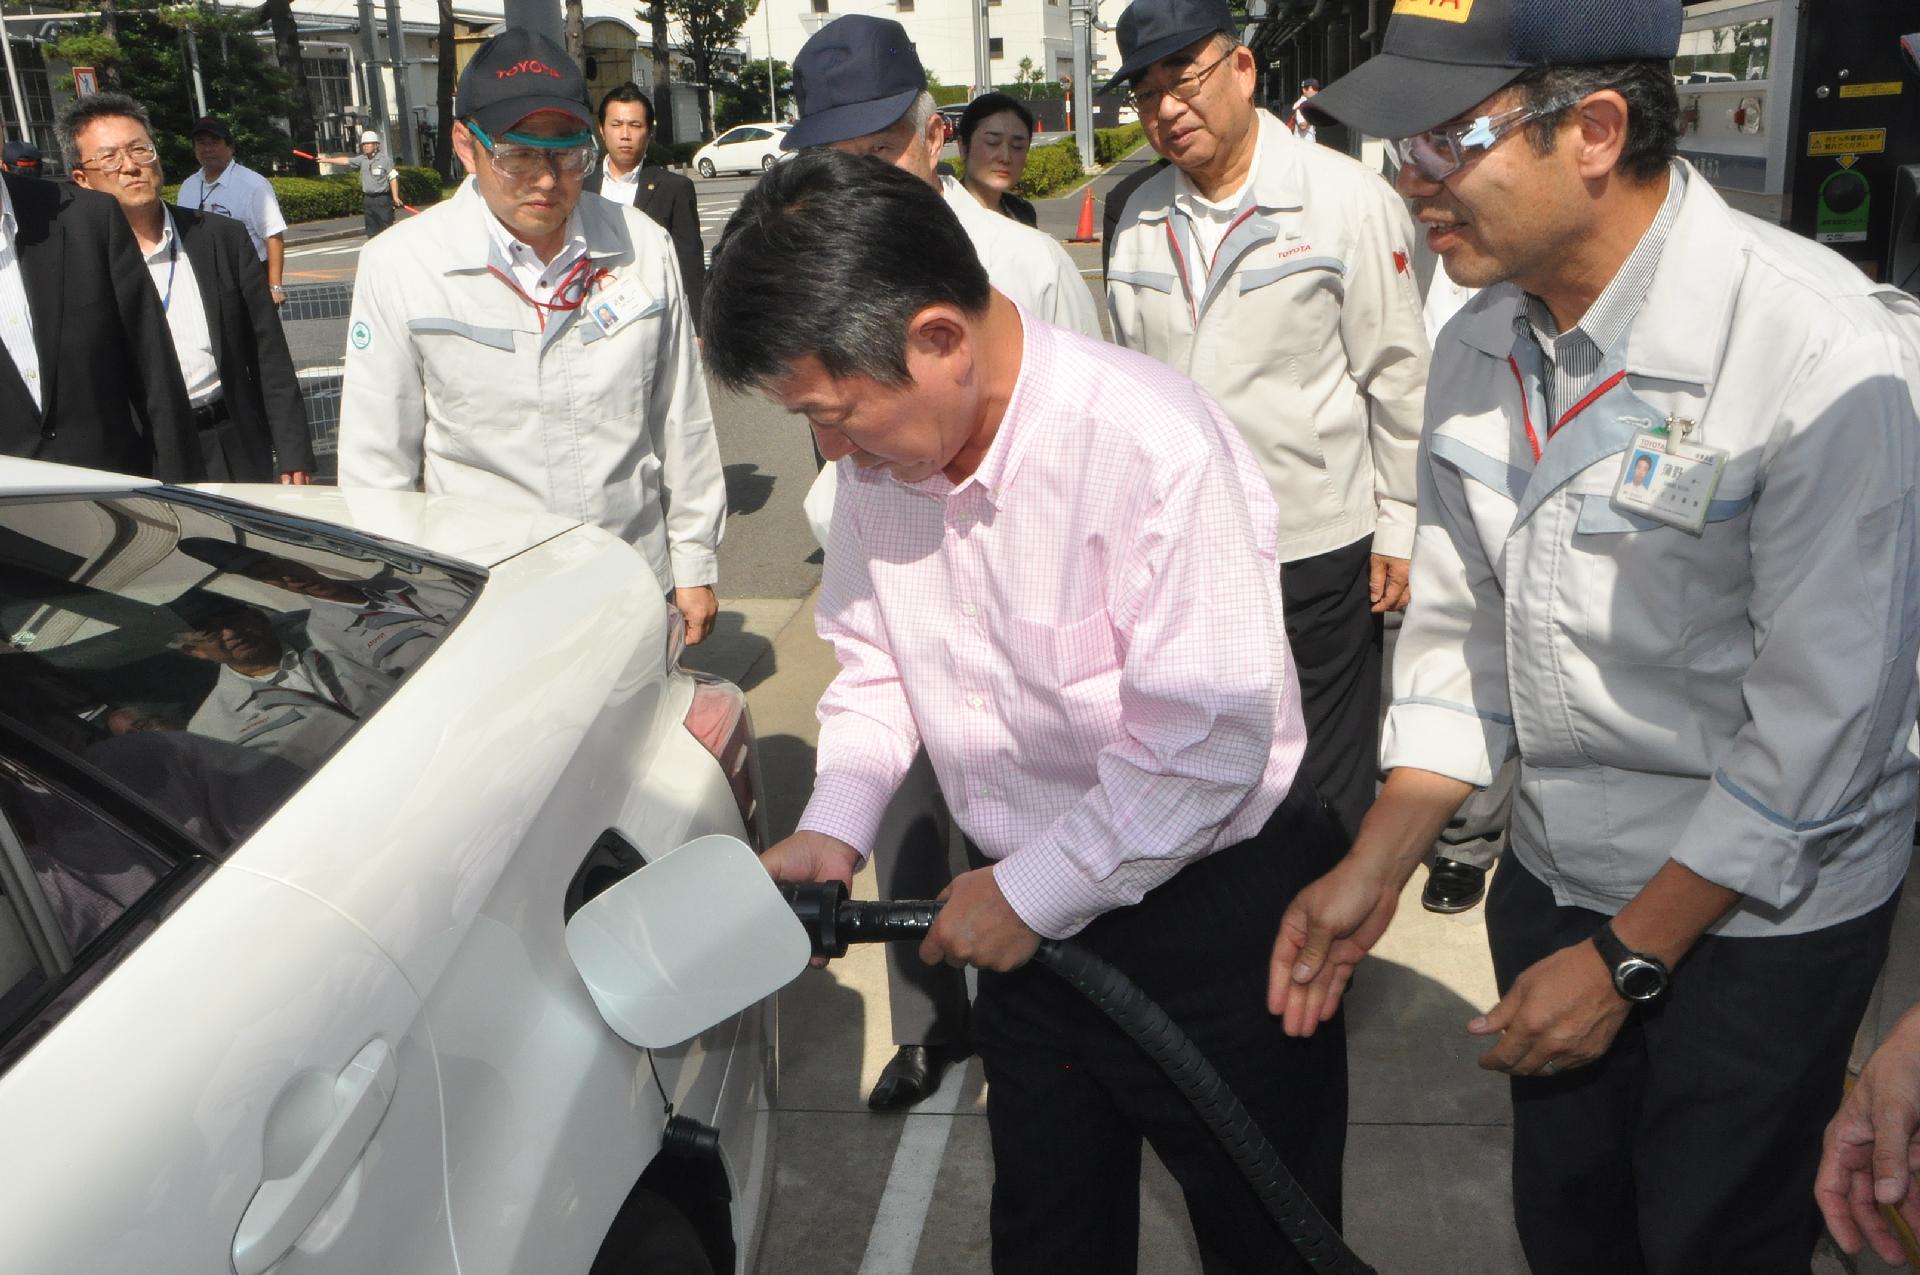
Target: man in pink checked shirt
[(1053, 564)]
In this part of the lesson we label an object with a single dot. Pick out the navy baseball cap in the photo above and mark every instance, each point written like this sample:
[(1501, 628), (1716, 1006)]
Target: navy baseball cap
[(516, 74), (1153, 29), (213, 125), (854, 76), (1440, 58)]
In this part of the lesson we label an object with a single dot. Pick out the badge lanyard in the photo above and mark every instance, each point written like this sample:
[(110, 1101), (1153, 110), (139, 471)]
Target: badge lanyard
[(173, 263), (1526, 411), (570, 293)]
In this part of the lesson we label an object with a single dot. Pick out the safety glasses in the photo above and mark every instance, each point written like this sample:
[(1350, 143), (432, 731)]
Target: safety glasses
[(1439, 153), (522, 155)]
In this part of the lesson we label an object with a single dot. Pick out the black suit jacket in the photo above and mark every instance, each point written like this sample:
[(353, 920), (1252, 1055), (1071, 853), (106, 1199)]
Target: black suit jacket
[(267, 417), (668, 198), (110, 389)]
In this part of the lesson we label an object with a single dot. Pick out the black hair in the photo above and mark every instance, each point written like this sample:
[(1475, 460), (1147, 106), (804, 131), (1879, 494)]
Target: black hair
[(830, 256), (628, 92), (990, 104), (97, 106), (1653, 109)]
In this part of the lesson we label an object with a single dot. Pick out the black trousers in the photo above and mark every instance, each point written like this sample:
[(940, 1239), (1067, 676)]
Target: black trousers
[(1690, 1147), (911, 860), (1069, 1097), (1336, 642), (377, 209)]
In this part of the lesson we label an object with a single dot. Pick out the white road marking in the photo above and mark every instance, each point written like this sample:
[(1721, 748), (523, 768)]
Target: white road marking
[(325, 250), (902, 1215)]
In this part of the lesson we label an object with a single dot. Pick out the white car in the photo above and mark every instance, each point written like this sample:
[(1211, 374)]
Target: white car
[(744, 148), (296, 796)]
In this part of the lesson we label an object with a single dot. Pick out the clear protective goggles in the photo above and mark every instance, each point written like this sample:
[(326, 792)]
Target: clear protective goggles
[(523, 155), (1439, 153)]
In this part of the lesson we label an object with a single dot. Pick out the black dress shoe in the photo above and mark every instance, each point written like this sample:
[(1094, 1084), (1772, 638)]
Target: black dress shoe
[(1453, 886), (911, 1075)]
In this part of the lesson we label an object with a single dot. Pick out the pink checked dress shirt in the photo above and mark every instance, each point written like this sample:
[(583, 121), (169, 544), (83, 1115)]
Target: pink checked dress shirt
[(1086, 634)]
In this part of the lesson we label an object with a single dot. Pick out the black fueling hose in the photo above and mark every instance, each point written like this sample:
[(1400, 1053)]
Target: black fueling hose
[(833, 921)]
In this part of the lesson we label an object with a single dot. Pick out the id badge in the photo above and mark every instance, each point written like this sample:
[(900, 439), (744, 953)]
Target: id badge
[(1669, 481), (616, 304)]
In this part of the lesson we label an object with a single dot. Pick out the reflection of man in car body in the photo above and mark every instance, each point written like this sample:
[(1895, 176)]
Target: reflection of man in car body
[(271, 693), (386, 624)]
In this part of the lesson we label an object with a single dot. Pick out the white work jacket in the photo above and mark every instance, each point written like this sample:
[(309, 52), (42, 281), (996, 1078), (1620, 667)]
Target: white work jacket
[(452, 384), (1025, 264), (1739, 701), (1305, 326)]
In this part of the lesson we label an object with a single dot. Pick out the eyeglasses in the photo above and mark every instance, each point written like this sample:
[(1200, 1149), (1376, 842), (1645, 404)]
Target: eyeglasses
[(139, 155), (1439, 153), (571, 156), (1184, 89)]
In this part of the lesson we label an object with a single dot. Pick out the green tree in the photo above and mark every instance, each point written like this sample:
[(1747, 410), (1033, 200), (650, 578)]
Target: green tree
[(712, 27), (743, 94), (147, 54)]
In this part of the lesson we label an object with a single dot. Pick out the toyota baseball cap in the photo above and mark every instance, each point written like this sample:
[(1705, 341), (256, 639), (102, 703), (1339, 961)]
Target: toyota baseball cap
[(1153, 29), (1440, 58), (214, 125), (516, 74), (854, 76)]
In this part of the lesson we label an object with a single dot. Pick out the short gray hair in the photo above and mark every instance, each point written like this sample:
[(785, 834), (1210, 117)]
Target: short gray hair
[(97, 106), (920, 114)]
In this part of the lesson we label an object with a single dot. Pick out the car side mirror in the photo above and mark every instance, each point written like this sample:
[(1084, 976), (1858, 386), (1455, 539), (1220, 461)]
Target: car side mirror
[(692, 938)]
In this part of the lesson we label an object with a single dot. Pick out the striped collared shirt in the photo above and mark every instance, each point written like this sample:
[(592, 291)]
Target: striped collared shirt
[(16, 319), (1085, 633), (1574, 356)]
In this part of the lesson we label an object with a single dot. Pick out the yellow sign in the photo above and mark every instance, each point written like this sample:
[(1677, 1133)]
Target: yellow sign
[(1442, 10), (1848, 141), (1884, 88)]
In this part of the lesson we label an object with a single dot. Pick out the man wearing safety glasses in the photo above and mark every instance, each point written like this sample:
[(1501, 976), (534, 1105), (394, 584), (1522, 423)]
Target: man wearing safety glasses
[(524, 346), (1276, 274), (1707, 676)]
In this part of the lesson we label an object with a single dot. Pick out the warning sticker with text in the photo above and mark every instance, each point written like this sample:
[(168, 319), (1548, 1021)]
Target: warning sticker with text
[(1847, 141)]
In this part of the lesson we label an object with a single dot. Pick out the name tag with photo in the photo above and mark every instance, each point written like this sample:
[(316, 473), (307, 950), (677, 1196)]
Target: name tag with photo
[(1669, 481)]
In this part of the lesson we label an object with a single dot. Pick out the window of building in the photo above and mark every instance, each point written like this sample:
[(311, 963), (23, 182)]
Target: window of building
[(330, 88), (819, 6), (995, 47), (903, 6)]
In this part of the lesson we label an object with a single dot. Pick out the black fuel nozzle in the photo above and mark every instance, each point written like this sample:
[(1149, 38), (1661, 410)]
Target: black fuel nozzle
[(834, 922)]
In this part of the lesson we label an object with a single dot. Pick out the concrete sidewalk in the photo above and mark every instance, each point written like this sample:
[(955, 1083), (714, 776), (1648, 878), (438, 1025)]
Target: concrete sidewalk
[(1427, 1156)]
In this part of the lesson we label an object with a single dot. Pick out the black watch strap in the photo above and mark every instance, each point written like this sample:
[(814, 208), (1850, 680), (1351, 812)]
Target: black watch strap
[(1636, 975)]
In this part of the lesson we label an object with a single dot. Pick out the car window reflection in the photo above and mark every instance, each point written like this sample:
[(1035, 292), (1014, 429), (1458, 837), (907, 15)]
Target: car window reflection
[(205, 665)]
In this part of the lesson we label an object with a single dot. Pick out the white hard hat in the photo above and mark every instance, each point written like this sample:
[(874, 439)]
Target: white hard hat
[(369, 136)]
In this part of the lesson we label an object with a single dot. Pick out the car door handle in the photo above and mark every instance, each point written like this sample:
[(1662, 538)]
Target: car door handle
[(283, 1208)]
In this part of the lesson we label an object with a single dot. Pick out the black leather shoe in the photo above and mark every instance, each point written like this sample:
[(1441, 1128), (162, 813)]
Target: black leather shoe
[(911, 1075), (1453, 886)]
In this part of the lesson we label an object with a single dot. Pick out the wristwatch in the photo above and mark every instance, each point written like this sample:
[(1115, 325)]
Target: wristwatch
[(1636, 976)]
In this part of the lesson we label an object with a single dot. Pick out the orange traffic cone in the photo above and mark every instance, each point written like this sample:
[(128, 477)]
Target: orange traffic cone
[(1085, 233)]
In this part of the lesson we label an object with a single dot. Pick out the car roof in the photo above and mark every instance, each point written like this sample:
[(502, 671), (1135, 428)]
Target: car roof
[(22, 477)]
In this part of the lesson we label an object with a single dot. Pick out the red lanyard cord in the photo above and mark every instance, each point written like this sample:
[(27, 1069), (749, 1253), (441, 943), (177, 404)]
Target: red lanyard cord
[(569, 294), (1526, 413)]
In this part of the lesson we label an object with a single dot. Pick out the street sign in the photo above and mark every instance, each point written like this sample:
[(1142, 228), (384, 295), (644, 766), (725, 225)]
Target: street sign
[(86, 81)]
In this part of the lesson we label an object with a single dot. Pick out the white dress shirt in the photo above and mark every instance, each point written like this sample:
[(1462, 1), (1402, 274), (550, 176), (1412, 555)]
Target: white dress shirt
[(242, 194), (537, 278), (621, 190), (173, 279), (16, 320)]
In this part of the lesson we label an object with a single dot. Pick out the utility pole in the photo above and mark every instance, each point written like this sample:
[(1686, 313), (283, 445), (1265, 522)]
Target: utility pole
[(13, 82), (982, 50), (1081, 15), (536, 15), (370, 70), (402, 95), (773, 107), (193, 61)]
